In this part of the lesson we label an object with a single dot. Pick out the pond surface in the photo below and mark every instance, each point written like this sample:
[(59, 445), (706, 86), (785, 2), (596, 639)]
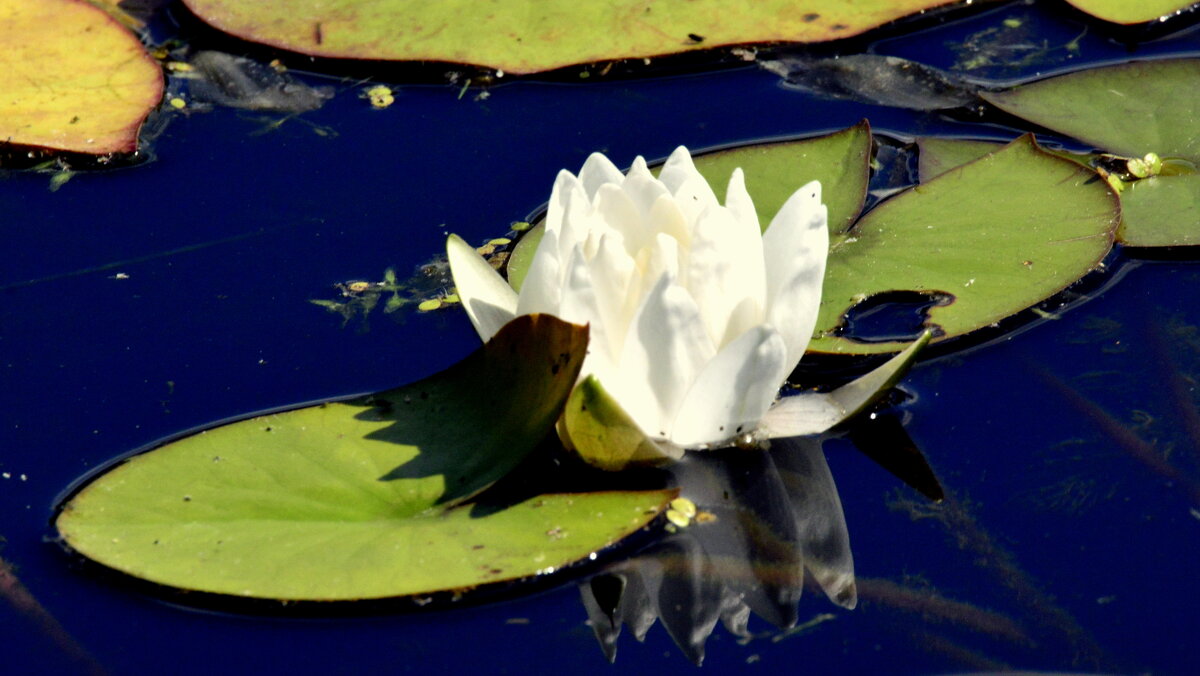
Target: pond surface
[(141, 302)]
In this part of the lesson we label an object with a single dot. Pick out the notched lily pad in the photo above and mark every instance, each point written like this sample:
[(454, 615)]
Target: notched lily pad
[(997, 235), (530, 36), (72, 78), (362, 499)]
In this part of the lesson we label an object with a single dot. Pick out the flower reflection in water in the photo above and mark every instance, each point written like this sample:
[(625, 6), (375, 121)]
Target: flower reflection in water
[(765, 516)]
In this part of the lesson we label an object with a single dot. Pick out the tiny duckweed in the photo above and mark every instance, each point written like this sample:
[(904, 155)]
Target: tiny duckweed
[(429, 305), (678, 518), (380, 96), (177, 103), (684, 506)]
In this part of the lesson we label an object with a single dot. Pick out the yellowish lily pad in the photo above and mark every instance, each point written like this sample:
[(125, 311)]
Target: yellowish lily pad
[(1131, 11), (72, 78), (529, 36)]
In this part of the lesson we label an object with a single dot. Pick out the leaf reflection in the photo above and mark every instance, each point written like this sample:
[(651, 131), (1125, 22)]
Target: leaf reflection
[(766, 516)]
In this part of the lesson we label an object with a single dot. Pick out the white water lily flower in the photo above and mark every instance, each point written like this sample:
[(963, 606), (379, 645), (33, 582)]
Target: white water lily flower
[(697, 316)]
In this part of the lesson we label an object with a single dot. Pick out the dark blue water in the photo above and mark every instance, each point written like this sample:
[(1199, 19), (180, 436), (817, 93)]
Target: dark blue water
[(1056, 525)]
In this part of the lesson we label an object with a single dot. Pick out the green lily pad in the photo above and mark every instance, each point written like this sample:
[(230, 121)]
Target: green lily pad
[(1131, 109), (1161, 211), (840, 161), (73, 78), (1155, 212), (529, 36), (939, 155), (985, 240), (936, 156), (356, 499), (1126, 12)]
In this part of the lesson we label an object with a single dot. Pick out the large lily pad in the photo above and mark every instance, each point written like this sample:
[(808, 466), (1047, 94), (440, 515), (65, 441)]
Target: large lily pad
[(356, 499), (840, 161), (985, 240), (72, 78), (529, 36), (1131, 109), (1127, 12)]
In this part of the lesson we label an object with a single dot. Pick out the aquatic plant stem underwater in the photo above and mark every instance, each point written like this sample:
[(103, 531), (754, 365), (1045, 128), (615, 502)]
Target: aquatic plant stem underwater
[(24, 602)]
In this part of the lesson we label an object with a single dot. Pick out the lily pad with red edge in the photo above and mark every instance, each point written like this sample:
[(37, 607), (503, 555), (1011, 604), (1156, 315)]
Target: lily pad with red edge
[(73, 78), (531, 36), (363, 498)]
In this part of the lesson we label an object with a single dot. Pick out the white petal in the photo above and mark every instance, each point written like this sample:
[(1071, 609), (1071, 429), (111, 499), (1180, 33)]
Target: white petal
[(643, 191), (639, 168), (665, 217), (740, 204), (615, 207), (690, 189), (564, 184), (579, 306), (542, 289), (598, 170), (694, 197), (665, 349), (795, 248), (724, 268), (652, 263), (678, 169), (577, 218), (611, 273), (733, 391), (489, 300), (745, 315)]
